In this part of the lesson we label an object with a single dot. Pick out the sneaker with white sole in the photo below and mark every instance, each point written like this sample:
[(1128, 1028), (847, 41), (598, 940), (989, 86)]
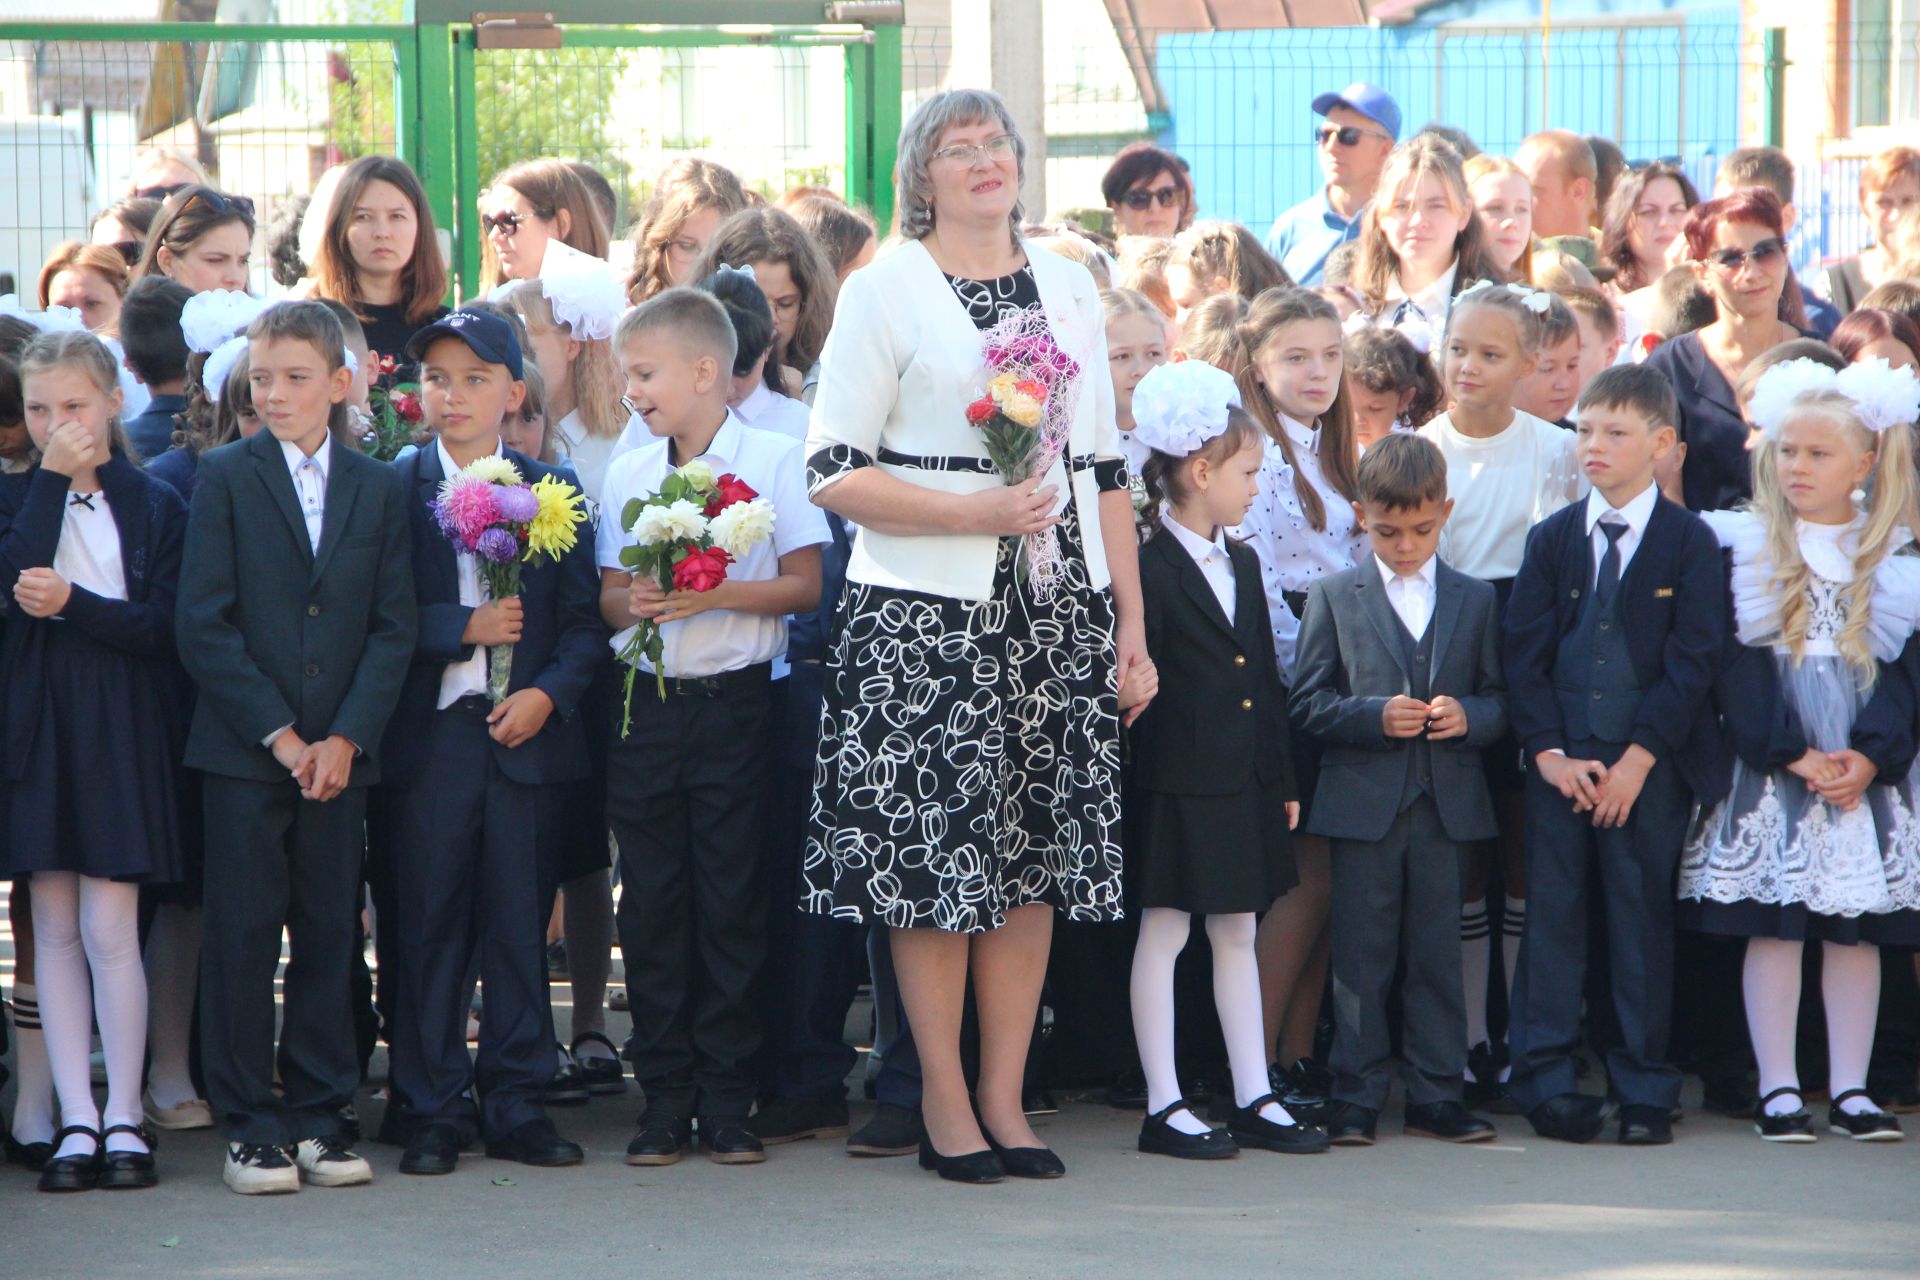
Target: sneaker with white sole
[(326, 1162), (194, 1113), (259, 1170)]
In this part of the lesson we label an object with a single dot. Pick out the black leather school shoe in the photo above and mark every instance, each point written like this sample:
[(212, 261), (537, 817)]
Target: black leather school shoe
[(1448, 1121), (978, 1168), (1793, 1126), (1159, 1138), (1863, 1126), (1351, 1125), (72, 1173), (128, 1170), (1645, 1126), (1251, 1129)]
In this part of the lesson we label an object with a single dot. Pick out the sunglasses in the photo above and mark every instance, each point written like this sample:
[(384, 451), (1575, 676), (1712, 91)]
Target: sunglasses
[(505, 223), (221, 204), (1731, 260), (131, 250), (1347, 135), (1139, 198)]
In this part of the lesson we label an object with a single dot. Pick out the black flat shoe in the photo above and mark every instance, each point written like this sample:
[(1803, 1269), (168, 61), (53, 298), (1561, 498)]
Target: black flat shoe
[(1862, 1126), (978, 1168), (128, 1170), (1570, 1117), (1026, 1162), (433, 1150), (728, 1140), (792, 1119), (1448, 1121), (601, 1075), (1351, 1125), (1645, 1126), (1159, 1138), (1303, 1090), (661, 1139), (1128, 1092), (892, 1131), (1791, 1126), (535, 1143), (1251, 1129), (72, 1173), (28, 1155)]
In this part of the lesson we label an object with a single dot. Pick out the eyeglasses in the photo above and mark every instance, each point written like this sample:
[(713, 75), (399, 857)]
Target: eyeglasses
[(1139, 198), (505, 223), (221, 204), (1347, 135), (1763, 253), (626, 402), (966, 154)]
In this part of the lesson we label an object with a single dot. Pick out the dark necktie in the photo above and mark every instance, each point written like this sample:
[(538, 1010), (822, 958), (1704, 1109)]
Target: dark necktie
[(81, 500), (1608, 582)]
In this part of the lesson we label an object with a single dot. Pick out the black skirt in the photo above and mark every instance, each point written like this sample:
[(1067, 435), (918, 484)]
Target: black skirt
[(1792, 922), (1185, 865)]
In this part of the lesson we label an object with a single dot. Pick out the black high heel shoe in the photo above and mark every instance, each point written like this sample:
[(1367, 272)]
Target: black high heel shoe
[(72, 1173), (128, 1170), (1026, 1162), (976, 1167)]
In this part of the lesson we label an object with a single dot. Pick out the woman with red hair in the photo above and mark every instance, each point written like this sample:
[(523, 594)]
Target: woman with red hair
[(1872, 333), (1738, 247)]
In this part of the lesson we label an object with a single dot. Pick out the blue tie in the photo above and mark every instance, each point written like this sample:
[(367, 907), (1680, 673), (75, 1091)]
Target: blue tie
[(1608, 583)]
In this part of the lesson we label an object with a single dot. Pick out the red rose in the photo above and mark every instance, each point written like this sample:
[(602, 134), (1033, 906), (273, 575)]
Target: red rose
[(731, 489), (980, 410), (407, 405), (701, 570), (388, 366), (1027, 386)]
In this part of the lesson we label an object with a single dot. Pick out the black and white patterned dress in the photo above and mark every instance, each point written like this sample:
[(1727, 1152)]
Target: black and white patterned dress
[(969, 749)]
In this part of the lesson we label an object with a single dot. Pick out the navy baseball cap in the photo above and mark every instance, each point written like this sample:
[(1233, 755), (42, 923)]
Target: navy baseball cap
[(490, 338), (1370, 100)]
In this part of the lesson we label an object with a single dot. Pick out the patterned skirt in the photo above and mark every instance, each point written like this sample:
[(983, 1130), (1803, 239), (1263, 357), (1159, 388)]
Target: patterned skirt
[(969, 756)]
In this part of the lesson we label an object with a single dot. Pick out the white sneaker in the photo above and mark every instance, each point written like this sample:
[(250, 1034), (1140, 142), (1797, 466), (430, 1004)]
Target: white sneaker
[(259, 1170), (326, 1162), (194, 1113)]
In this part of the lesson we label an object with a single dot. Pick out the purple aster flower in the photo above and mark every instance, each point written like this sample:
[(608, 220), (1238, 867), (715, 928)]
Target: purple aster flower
[(498, 546), (516, 503)]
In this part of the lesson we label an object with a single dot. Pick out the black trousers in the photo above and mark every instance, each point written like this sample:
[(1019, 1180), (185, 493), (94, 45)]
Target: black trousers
[(1636, 865), (685, 795), (1398, 899), (467, 870), (275, 860)]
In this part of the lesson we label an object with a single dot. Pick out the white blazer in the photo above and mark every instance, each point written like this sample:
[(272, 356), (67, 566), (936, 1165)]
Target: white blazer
[(901, 365)]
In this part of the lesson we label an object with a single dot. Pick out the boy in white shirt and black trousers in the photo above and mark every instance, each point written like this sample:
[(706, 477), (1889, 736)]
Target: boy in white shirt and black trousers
[(686, 785)]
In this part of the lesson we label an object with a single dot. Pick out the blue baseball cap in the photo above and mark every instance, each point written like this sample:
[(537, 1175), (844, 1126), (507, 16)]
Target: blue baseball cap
[(488, 336), (1370, 100)]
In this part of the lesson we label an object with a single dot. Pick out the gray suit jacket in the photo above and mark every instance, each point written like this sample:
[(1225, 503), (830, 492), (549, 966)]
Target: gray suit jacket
[(1350, 663)]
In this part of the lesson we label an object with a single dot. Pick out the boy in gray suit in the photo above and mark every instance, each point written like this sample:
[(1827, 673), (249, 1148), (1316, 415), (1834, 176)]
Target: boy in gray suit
[(1398, 675)]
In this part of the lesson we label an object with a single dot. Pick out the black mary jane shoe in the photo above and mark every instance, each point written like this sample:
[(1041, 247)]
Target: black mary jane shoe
[(72, 1173), (1791, 1126), (1862, 1126), (978, 1168), (1159, 1138), (1026, 1162), (1251, 1129), (128, 1170)]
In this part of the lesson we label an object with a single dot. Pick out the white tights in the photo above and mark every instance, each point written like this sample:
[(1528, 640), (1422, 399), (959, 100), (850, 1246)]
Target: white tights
[(82, 925), (1236, 995), (1850, 989)]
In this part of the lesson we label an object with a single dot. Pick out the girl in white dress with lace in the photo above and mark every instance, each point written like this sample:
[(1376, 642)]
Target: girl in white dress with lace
[(1818, 850)]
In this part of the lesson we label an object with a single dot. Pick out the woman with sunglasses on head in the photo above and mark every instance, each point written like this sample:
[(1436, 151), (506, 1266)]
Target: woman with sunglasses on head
[(526, 206), (201, 238), (1149, 191), (1738, 249)]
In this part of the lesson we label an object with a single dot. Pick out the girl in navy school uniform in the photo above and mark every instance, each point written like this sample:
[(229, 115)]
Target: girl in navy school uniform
[(1211, 757), (90, 558)]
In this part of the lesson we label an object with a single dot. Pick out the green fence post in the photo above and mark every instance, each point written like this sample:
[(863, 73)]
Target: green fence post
[(885, 120), (426, 124), (466, 164), (1775, 49), (859, 83)]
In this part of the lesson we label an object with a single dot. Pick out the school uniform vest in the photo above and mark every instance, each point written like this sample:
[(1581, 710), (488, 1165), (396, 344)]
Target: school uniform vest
[(1418, 656), (1593, 676)]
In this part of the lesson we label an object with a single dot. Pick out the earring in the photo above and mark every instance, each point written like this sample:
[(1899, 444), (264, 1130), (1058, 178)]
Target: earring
[(1859, 497)]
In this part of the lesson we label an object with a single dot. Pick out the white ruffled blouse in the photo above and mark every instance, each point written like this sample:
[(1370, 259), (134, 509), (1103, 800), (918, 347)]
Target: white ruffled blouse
[(1828, 551)]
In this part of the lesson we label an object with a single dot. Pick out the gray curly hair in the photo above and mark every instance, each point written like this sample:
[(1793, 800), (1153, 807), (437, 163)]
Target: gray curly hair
[(920, 138)]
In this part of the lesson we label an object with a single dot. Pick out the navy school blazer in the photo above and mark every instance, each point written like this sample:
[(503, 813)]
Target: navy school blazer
[(563, 641), (152, 523), (274, 633), (1673, 604)]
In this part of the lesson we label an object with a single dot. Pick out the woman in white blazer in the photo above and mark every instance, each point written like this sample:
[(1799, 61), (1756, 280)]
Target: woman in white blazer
[(967, 779)]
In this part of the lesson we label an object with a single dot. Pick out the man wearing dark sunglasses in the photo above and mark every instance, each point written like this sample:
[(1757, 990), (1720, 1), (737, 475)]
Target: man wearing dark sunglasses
[(1357, 128)]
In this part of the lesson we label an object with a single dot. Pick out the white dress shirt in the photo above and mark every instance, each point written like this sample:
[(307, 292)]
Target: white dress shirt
[(720, 640), (88, 554), (1634, 515), (1424, 313), (1412, 595), (459, 679), (310, 483), (1216, 566), (768, 410)]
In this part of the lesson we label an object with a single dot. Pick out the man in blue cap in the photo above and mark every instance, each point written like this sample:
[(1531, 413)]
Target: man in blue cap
[(1359, 126)]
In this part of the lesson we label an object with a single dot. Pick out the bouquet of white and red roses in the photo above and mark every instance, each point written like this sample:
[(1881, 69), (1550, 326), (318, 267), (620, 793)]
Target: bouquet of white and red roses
[(684, 537)]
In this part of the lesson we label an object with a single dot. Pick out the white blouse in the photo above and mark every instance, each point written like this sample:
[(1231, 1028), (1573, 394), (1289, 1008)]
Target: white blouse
[(89, 551), (1502, 485), (1293, 554)]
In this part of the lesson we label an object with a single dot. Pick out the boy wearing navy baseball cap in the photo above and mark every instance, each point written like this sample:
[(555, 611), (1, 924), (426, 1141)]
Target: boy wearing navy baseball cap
[(469, 775)]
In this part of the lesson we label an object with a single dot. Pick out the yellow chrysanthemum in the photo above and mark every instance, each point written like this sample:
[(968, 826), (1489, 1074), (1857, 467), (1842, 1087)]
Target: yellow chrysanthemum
[(562, 508)]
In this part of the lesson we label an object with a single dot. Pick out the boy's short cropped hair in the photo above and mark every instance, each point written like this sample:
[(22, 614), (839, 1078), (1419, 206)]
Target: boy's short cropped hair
[(1401, 472), (1593, 306), (150, 329), (692, 315), (1766, 167), (1638, 388), (1681, 304), (350, 326)]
